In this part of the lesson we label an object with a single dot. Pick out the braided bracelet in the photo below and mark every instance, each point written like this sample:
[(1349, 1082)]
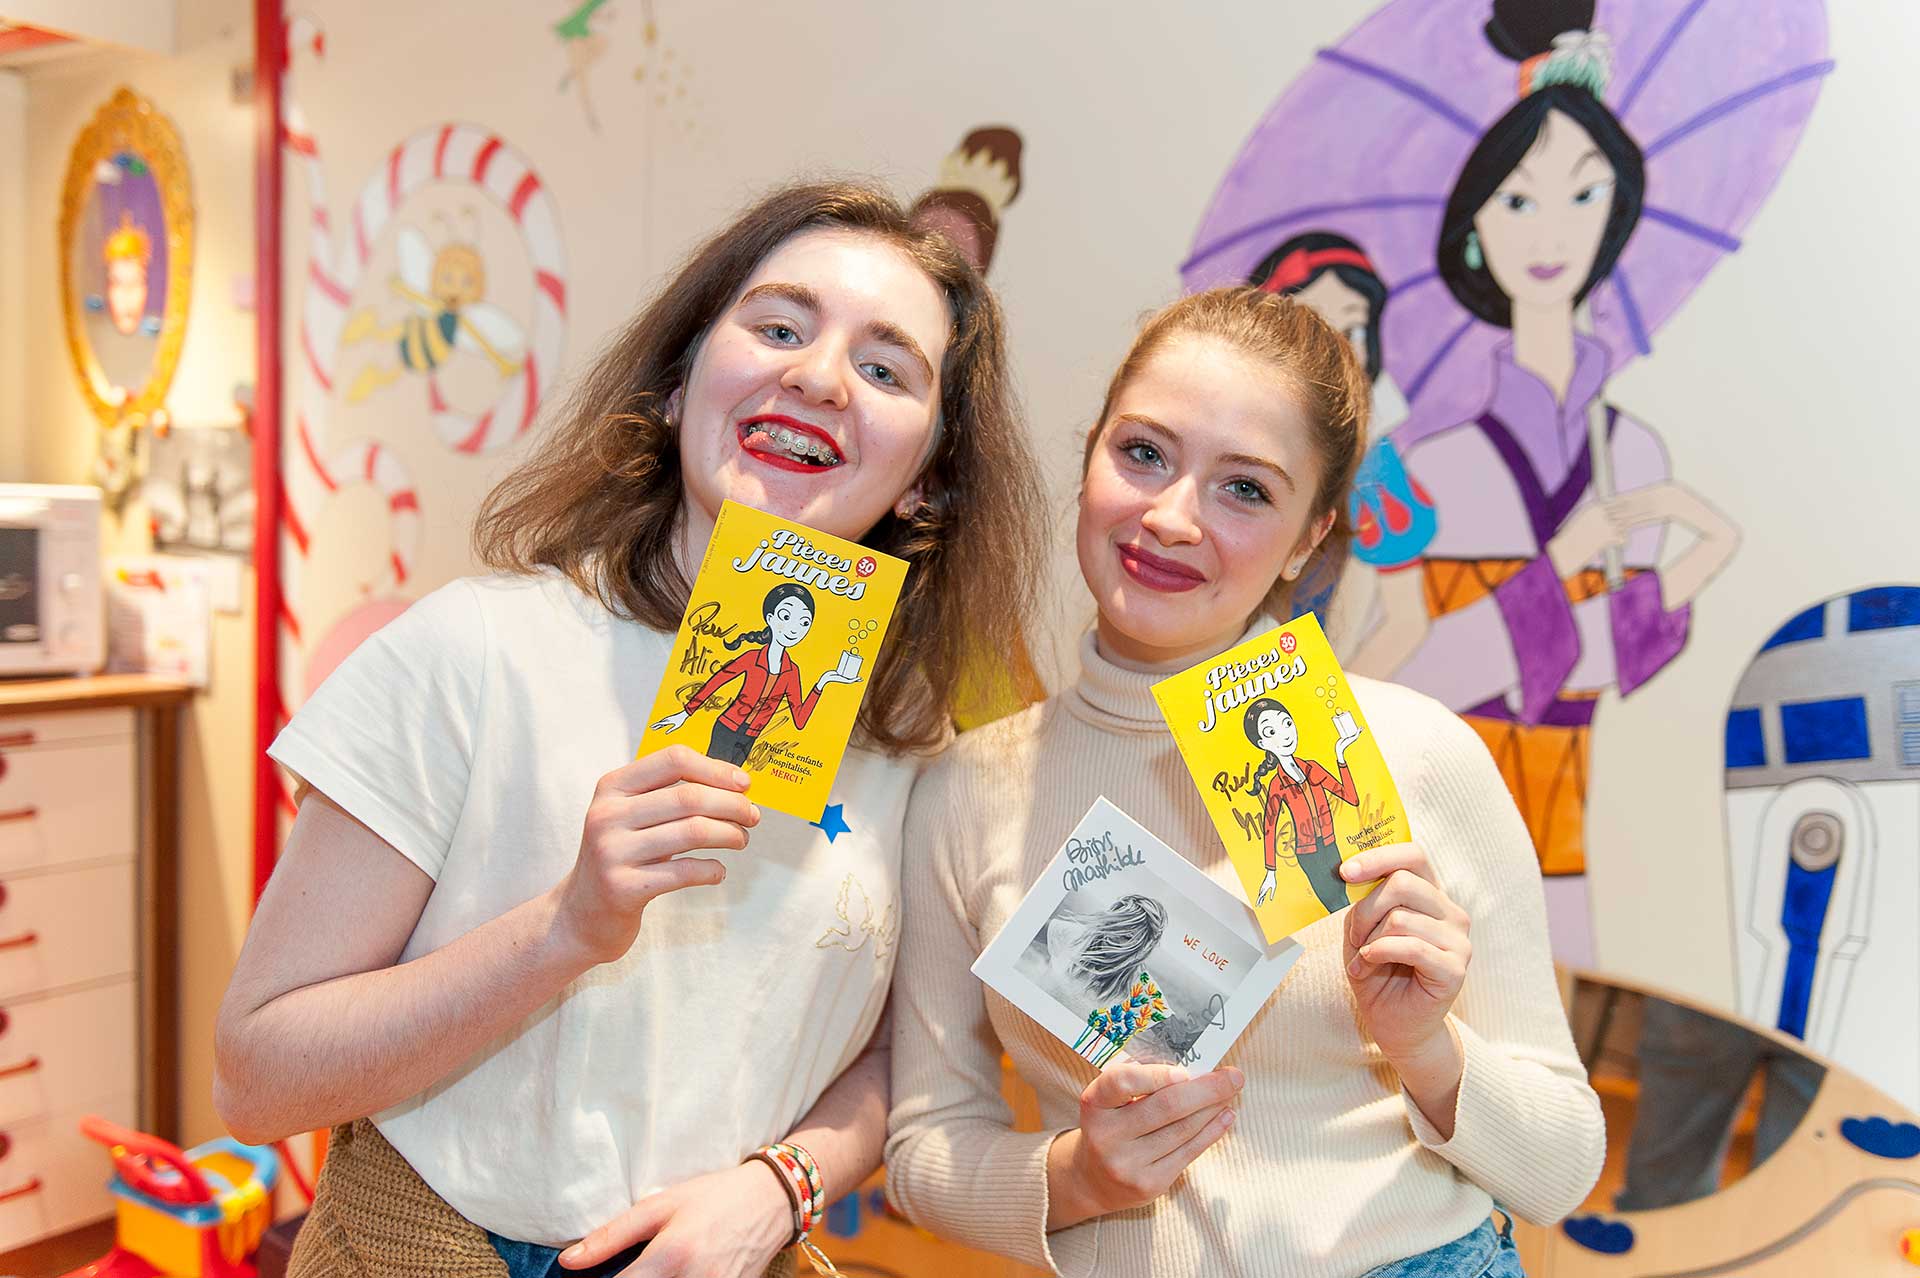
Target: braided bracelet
[(800, 1177)]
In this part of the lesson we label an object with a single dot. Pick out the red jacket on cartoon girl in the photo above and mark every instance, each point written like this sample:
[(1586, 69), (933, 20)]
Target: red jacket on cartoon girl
[(788, 612), (1269, 725)]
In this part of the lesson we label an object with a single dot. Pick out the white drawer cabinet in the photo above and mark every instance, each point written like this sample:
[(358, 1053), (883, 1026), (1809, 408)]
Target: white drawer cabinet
[(67, 1051), (88, 769), (51, 1177), (65, 800)]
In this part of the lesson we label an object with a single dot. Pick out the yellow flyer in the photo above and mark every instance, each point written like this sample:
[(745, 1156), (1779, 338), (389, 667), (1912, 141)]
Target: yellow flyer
[(769, 667), (1292, 779)]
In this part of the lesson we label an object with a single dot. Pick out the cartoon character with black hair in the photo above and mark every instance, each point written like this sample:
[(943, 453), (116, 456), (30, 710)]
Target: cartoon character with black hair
[(1300, 788), (1543, 580), (769, 678), (1390, 516)]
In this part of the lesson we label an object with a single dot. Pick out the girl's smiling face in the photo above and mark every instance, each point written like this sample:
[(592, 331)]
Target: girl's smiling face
[(815, 396), (1197, 497)]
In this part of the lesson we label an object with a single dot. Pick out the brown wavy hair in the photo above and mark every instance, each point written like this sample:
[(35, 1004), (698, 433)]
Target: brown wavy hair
[(599, 498), (1304, 351)]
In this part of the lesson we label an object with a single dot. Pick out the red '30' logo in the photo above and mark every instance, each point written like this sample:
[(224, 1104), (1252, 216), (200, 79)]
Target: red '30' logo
[(1288, 643), (865, 567)]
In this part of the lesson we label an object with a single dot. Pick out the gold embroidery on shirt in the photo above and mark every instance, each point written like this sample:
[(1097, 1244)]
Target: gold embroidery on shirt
[(858, 921)]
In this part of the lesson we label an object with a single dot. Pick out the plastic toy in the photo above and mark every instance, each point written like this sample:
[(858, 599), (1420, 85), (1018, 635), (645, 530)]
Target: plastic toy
[(197, 1213)]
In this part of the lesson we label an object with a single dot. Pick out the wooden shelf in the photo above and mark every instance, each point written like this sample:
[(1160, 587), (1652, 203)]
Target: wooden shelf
[(24, 696)]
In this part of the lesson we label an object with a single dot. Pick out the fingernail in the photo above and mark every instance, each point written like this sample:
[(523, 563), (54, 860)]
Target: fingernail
[(1347, 871), (570, 1255), (1238, 1079), (741, 776), (1356, 967), (756, 812), (1178, 1074), (1226, 1118)]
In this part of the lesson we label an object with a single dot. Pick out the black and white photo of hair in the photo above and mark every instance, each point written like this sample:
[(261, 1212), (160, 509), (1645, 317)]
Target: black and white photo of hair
[(1101, 937)]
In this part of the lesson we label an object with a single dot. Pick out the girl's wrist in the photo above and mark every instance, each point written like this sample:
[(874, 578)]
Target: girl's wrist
[(1434, 1068), (771, 1204), (1068, 1202)]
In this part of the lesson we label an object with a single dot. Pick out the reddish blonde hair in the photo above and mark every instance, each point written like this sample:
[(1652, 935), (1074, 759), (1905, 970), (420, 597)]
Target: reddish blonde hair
[(1301, 349)]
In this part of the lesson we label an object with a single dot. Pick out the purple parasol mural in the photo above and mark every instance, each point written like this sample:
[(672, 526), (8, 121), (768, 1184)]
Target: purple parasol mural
[(1371, 137)]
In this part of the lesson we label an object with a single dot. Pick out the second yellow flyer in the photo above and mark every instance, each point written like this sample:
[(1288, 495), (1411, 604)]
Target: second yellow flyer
[(1275, 740)]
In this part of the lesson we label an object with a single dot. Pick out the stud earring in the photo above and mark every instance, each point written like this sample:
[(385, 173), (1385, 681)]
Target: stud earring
[(1475, 259)]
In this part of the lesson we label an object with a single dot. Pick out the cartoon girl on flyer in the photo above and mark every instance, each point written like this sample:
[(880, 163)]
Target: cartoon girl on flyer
[(1302, 787), (769, 677)]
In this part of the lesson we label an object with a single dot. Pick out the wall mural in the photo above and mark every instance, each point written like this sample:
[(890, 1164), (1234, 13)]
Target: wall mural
[(1823, 833), (1501, 204), (401, 334)]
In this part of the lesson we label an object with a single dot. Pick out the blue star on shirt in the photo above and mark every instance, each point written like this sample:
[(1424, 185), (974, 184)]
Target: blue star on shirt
[(833, 822)]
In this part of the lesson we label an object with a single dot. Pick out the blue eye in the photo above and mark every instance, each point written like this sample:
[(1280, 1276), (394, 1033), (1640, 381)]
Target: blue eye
[(1588, 194), (1141, 451), (782, 333), (882, 374), (1248, 491)]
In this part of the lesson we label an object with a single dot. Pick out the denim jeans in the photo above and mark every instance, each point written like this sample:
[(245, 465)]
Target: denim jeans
[(531, 1260), (1484, 1253)]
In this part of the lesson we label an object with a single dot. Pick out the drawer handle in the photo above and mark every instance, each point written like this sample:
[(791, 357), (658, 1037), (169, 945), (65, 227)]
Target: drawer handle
[(15, 740), (19, 942), (27, 1066), (18, 814), (31, 1187)]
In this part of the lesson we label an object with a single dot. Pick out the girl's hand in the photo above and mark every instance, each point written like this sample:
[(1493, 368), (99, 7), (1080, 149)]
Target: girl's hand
[(644, 816), (1340, 746), (727, 1224), (671, 723), (1407, 952), (1268, 886), (1140, 1125)]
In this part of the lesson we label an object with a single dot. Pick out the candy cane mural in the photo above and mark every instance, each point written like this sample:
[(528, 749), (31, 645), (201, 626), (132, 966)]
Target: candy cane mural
[(442, 290)]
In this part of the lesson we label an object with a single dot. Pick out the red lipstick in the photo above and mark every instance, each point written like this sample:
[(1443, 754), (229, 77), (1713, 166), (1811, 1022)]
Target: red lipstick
[(1157, 573)]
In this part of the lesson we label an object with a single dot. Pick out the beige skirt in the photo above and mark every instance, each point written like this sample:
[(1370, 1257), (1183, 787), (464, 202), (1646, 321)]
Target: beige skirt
[(373, 1217)]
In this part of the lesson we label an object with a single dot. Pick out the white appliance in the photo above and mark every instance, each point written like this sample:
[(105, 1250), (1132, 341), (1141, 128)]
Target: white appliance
[(52, 614)]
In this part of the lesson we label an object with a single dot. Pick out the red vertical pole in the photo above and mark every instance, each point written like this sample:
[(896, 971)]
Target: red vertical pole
[(269, 62)]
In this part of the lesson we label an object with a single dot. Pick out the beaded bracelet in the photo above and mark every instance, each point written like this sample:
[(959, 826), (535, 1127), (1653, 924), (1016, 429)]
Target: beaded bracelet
[(800, 1177)]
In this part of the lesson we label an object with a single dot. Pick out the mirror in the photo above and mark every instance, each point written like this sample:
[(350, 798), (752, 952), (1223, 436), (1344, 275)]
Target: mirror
[(1694, 1100), (126, 258)]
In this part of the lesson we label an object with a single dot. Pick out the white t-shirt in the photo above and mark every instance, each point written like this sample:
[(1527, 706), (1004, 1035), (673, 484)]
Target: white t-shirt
[(469, 733)]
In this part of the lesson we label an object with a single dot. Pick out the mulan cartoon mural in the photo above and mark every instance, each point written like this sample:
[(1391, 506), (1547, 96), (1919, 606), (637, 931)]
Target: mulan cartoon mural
[(1537, 185)]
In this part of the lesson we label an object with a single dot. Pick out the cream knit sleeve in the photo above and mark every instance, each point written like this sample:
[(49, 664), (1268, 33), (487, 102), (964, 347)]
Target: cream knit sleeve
[(954, 1163), (1527, 1127)]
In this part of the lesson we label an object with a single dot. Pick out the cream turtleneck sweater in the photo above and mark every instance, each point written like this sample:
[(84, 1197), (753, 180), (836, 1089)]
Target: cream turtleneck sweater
[(1330, 1169)]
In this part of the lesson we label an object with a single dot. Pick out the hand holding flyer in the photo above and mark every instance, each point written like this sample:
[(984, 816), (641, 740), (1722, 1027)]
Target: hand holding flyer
[(774, 599), (1123, 943), (1295, 785)]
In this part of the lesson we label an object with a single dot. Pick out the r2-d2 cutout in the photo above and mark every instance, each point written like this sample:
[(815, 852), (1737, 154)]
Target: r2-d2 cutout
[(1823, 829)]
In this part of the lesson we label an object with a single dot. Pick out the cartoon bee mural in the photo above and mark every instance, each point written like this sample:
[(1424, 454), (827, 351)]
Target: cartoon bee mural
[(446, 288)]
